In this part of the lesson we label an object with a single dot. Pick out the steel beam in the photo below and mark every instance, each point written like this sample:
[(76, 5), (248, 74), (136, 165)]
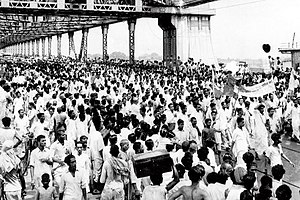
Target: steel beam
[(104, 42)]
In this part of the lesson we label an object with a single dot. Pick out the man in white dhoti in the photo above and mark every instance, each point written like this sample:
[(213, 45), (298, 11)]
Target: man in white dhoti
[(295, 113), (240, 141)]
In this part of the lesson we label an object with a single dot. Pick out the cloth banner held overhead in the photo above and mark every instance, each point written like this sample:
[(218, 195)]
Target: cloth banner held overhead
[(257, 90)]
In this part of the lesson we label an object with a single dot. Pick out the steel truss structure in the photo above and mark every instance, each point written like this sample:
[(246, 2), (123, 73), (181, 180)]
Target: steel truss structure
[(22, 21)]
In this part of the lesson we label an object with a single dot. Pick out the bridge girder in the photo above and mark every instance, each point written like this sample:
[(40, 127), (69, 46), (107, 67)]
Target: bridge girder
[(22, 21)]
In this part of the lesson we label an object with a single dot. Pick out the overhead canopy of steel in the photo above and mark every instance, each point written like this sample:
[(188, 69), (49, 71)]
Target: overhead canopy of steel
[(22, 21)]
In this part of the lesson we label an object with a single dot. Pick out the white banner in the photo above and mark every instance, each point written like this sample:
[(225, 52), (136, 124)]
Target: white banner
[(257, 90)]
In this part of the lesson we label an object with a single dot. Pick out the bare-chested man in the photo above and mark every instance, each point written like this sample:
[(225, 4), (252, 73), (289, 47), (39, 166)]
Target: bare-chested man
[(194, 191)]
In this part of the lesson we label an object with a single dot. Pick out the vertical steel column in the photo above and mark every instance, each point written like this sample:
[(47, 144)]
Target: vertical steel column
[(28, 48), (83, 47), (104, 41), (21, 48), (86, 33), (43, 47), (25, 48), (169, 40), (71, 38), (71, 44), (32, 48), (131, 28), (59, 45), (37, 43), (18, 49), (49, 45)]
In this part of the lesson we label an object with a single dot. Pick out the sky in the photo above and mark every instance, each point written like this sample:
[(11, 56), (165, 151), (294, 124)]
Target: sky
[(238, 30)]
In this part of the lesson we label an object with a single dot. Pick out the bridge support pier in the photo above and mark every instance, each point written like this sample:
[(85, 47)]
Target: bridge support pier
[(187, 37), (49, 45), (83, 48), (104, 42), (43, 47), (131, 28), (169, 39), (32, 48), (71, 44), (37, 43), (59, 45)]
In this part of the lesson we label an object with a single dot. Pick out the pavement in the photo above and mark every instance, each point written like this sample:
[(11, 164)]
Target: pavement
[(292, 175)]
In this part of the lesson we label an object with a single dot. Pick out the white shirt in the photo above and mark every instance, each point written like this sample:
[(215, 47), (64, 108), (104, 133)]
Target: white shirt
[(96, 143), (235, 192), (71, 186), (181, 135), (212, 158), (154, 192), (216, 191), (274, 154), (21, 125), (7, 134), (35, 161), (59, 151), (82, 161), (240, 137)]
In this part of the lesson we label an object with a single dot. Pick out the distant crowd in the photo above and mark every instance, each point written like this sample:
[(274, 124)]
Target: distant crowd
[(80, 126)]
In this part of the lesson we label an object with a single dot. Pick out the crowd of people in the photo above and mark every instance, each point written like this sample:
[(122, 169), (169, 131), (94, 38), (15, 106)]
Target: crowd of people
[(81, 125)]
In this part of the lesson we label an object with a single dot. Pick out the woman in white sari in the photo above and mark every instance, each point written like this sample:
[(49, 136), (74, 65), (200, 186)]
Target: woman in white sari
[(260, 131)]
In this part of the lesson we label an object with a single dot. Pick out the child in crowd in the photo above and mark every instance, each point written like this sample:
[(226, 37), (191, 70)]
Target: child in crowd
[(46, 192)]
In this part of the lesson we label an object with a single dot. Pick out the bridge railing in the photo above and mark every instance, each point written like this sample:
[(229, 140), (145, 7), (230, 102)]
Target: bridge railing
[(119, 5)]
